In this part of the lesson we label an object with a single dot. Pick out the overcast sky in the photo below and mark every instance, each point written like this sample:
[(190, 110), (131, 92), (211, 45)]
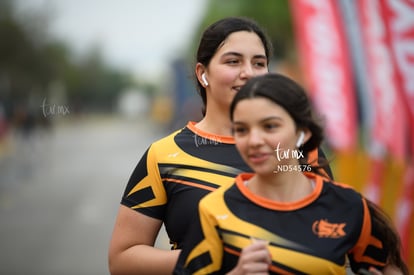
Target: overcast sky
[(141, 35)]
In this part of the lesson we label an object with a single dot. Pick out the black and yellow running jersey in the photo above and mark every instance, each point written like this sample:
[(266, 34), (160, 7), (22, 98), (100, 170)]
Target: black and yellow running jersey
[(176, 172), (310, 236)]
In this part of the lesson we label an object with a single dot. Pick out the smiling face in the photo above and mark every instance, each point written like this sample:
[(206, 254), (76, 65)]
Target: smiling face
[(240, 57), (260, 127)]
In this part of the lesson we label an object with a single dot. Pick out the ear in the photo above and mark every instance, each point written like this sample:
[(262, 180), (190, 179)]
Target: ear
[(199, 71)]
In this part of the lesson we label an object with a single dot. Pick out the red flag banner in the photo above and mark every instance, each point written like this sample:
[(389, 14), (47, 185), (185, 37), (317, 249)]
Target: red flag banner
[(388, 130), (322, 45), (399, 21), (398, 17)]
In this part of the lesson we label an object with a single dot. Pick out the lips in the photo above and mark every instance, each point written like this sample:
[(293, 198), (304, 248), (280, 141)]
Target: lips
[(237, 88), (258, 157)]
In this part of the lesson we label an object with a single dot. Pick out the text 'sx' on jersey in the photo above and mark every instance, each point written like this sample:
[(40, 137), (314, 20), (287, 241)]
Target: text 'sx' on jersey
[(310, 236), (176, 172)]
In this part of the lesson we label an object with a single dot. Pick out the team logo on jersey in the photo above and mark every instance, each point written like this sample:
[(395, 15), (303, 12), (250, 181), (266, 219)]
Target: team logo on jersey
[(325, 229)]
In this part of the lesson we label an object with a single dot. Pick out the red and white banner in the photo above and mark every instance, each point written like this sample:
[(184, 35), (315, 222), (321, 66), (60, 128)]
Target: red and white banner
[(323, 48), (398, 17), (399, 22), (389, 118)]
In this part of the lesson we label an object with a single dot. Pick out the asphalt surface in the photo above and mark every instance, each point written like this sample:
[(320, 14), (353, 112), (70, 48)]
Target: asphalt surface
[(60, 192)]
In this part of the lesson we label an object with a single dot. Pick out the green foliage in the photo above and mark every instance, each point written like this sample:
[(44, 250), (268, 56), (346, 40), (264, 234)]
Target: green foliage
[(30, 61), (273, 15), (93, 86)]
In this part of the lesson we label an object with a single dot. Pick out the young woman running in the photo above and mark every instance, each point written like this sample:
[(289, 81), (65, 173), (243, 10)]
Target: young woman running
[(284, 218), (178, 170)]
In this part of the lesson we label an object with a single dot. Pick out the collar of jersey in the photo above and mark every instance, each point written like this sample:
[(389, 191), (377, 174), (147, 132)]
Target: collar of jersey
[(281, 206), (201, 133)]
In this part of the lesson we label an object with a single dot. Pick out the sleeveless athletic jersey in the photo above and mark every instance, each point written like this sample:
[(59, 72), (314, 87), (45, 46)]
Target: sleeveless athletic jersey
[(176, 172), (310, 236)]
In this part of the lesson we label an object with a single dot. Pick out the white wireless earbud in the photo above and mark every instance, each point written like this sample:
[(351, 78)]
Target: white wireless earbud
[(300, 139), (203, 77)]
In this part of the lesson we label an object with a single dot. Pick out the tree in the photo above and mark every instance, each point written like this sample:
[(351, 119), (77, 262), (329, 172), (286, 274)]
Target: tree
[(31, 60), (273, 16)]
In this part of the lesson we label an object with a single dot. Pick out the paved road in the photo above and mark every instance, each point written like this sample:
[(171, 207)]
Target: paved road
[(59, 194)]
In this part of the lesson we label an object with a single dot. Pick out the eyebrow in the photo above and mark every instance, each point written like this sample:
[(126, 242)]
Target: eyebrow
[(262, 120), (240, 55)]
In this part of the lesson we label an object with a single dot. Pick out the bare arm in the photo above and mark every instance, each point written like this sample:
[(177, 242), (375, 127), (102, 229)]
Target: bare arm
[(132, 250)]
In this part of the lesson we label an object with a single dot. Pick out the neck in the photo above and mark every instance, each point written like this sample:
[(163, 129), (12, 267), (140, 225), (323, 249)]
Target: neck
[(216, 123), (282, 187)]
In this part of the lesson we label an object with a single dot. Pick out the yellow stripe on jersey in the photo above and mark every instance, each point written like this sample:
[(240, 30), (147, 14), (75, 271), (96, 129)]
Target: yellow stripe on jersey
[(226, 219), (169, 163), (225, 230)]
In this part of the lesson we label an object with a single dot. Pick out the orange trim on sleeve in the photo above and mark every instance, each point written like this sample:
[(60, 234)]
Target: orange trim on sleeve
[(366, 239)]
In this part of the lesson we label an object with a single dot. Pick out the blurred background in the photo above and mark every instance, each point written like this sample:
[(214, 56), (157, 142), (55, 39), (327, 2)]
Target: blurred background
[(86, 86)]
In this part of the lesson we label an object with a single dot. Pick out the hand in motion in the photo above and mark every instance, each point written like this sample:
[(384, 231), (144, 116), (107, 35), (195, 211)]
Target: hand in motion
[(254, 259), (388, 270)]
